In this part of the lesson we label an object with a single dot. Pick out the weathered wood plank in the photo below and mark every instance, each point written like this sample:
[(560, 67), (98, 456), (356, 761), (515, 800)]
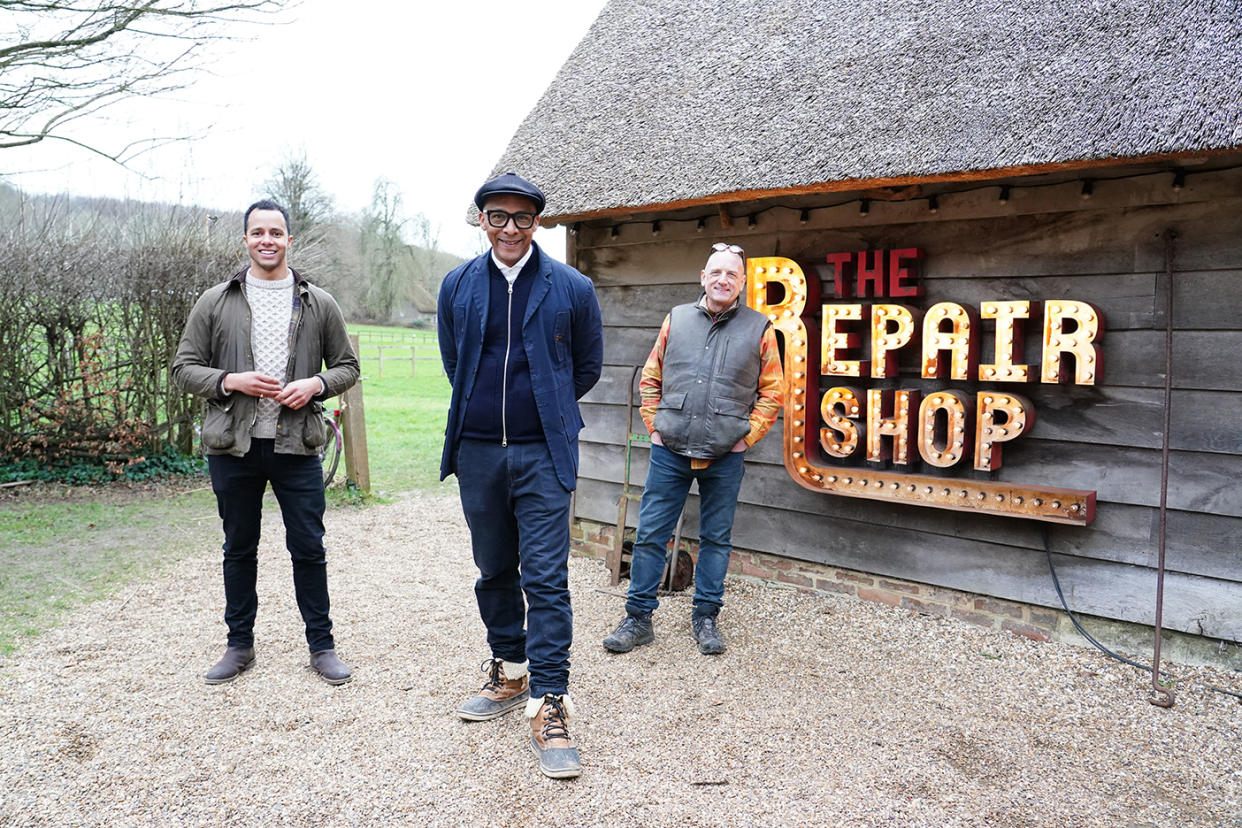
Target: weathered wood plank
[(1202, 360), (1202, 606), (1207, 236), (1195, 544), (1127, 300), (628, 346), (1206, 421), (614, 386), (1203, 545), (1198, 482), (643, 306), (1204, 300), (651, 262), (1082, 242), (1202, 421), (1206, 360)]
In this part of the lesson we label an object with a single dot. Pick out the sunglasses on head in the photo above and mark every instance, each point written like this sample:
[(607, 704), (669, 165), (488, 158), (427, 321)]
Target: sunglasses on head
[(721, 247)]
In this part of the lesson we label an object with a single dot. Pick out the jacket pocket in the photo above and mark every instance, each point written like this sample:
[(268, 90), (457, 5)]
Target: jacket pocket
[(668, 419), (314, 429), (731, 407), (730, 422), (561, 335), (218, 425), (461, 319), (672, 402)]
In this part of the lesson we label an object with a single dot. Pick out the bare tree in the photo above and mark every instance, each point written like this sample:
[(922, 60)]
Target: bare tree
[(383, 250), (295, 185), (63, 60), (425, 251)]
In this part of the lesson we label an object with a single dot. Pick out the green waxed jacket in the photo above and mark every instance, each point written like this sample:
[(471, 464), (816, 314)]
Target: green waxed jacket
[(216, 342)]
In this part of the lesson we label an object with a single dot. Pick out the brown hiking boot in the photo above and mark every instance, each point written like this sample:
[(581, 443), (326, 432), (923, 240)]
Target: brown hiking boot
[(499, 695), (549, 736)]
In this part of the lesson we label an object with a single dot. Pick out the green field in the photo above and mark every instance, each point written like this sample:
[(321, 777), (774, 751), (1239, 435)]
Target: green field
[(62, 547), (405, 418), (405, 414)]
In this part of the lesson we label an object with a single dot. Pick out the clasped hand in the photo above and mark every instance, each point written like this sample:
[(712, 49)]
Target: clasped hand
[(294, 395)]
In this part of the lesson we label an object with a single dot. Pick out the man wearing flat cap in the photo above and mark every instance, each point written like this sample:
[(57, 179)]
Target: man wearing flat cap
[(521, 340)]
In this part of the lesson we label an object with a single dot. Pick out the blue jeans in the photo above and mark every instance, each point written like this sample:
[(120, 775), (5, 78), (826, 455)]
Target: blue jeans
[(668, 482), (297, 482), (518, 514)]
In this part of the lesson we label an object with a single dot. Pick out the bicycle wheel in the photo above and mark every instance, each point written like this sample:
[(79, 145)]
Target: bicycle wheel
[(331, 450)]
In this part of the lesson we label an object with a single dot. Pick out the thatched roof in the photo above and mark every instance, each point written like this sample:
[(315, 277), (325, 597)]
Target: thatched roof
[(677, 102)]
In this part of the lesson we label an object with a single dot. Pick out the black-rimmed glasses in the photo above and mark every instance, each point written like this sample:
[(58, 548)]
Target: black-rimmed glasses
[(499, 218), (721, 247)]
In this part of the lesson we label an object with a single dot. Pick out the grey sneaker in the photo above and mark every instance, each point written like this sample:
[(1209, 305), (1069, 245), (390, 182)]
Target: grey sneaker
[(497, 697), (236, 660), (707, 636), (550, 739), (632, 632)]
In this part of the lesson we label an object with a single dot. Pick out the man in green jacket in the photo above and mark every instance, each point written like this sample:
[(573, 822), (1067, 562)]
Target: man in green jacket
[(264, 348)]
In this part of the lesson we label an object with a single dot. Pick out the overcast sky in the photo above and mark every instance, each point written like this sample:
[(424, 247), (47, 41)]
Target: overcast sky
[(427, 95)]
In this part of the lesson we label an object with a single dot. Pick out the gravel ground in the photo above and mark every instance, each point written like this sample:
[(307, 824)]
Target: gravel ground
[(824, 711)]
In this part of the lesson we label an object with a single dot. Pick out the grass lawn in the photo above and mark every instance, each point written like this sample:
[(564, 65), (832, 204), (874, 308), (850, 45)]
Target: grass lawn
[(405, 430), (62, 547)]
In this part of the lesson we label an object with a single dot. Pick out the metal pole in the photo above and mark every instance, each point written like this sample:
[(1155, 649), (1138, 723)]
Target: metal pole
[(1168, 696)]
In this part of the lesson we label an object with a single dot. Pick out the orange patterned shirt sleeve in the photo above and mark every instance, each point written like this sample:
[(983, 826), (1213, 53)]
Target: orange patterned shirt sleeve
[(771, 388), (653, 378)]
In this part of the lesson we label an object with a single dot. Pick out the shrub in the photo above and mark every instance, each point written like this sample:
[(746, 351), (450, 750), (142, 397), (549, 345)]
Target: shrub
[(93, 298)]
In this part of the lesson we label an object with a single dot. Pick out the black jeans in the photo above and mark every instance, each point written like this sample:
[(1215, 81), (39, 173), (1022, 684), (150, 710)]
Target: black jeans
[(297, 482)]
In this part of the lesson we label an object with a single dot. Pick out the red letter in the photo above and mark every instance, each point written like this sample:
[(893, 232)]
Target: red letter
[(898, 275), (838, 262), (871, 274)]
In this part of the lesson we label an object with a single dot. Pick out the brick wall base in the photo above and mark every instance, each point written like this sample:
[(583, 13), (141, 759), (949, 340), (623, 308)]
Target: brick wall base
[(594, 540)]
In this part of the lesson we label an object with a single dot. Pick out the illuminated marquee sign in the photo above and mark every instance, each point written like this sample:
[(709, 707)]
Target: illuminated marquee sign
[(945, 429)]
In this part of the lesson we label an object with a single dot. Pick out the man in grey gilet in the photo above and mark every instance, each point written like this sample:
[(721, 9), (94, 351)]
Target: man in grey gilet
[(710, 389)]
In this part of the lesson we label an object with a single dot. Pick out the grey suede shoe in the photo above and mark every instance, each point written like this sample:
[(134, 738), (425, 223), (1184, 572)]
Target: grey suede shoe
[(236, 660), (549, 736), (634, 631), (330, 668), (706, 635)]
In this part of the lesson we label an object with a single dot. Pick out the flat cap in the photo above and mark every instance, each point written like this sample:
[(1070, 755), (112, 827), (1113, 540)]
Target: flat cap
[(510, 184)]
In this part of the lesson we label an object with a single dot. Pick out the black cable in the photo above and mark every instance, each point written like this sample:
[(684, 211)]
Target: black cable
[(1056, 582)]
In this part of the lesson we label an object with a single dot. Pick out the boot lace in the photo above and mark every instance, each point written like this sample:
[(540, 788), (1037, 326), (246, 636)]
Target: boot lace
[(628, 626), (495, 676), (706, 627), (555, 721)]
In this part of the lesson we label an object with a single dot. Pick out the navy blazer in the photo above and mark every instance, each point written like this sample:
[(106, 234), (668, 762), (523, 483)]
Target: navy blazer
[(564, 339)]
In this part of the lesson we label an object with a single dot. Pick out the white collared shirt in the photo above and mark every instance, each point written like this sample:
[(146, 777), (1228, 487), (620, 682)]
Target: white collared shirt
[(511, 273)]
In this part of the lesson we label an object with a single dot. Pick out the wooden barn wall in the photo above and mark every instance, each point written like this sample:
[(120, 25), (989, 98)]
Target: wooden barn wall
[(1046, 242)]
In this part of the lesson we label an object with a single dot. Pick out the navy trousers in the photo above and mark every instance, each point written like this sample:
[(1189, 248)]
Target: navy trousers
[(518, 513), (297, 482)]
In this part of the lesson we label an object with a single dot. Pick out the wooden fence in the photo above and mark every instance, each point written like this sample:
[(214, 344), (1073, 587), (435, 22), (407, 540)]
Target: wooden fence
[(400, 358)]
